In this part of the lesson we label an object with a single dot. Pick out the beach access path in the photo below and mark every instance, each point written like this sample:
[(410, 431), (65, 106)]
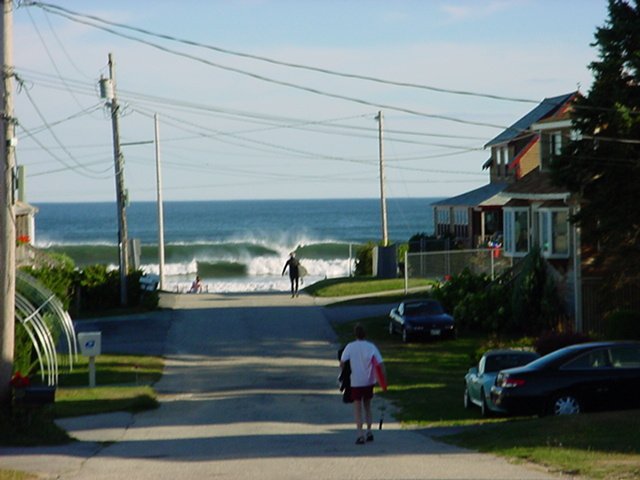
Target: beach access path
[(249, 391)]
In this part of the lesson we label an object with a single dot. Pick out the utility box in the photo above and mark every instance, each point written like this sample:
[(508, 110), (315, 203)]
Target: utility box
[(90, 343), (385, 263)]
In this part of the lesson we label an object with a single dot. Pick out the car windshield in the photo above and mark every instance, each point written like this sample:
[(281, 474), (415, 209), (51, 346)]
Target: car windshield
[(423, 308), (503, 361)]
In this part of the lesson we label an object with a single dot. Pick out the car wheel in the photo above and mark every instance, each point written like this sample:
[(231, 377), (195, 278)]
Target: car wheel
[(467, 399), (484, 408), (565, 404), (391, 329), (405, 336)]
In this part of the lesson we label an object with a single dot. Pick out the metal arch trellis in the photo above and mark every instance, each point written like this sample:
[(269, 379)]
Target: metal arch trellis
[(30, 292)]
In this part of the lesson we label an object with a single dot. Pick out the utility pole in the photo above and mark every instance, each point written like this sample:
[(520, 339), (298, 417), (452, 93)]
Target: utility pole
[(383, 200), (160, 206), (7, 213), (121, 195)]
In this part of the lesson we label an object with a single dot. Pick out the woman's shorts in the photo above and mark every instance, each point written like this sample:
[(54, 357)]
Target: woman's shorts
[(361, 393)]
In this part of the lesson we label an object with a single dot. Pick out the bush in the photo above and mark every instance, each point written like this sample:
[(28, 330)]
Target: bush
[(534, 302), (623, 325), (452, 292), (364, 260), (484, 310), (60, 279), (552, 341), (494, 342)]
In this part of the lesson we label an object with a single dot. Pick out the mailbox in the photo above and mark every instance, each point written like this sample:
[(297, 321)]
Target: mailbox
[(90, 343)]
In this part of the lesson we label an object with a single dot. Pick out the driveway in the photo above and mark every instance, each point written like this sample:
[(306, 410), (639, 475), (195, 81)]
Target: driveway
[(249, 392)]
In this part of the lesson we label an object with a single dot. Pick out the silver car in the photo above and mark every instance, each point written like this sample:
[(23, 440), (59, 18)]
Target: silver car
[(479, 380)]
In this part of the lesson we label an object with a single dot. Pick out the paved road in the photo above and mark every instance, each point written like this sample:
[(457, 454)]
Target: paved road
[(249, 392)]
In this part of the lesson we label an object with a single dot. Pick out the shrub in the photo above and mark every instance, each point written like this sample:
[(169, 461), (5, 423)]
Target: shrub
[(452, 292), (364, 260), (60, 279), (495, 342), (623, 325), (551, 341), (535, 304)]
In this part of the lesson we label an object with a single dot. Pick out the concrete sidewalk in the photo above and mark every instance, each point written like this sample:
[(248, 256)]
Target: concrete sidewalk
[(249, 392)]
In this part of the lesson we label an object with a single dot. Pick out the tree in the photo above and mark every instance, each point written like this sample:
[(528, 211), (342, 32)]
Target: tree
[(602, 165)]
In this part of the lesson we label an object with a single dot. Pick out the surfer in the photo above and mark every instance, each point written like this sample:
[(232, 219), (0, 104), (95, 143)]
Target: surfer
[(196, 286), (294, 272), (364, 358)]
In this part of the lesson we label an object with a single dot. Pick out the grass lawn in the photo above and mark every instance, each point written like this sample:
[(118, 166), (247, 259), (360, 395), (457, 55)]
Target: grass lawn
[(341, 287), (123, 384), (13, 475), (426, 385)]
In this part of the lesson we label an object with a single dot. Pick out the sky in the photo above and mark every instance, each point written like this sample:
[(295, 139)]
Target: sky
[(275, 99)]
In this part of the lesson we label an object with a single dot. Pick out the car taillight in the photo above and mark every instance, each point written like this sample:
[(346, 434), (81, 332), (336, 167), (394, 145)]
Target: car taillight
[(512, 382)]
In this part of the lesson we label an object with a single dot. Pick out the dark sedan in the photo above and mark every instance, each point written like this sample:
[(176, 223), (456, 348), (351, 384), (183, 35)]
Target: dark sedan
[(584, 377), (421, 318)]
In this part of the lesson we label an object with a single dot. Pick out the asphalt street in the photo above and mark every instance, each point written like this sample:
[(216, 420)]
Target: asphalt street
[(249, 392)]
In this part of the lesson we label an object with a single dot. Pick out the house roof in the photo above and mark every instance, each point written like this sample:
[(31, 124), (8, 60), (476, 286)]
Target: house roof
[(546, 108), (23, 208), (535, 185), (475, 197)]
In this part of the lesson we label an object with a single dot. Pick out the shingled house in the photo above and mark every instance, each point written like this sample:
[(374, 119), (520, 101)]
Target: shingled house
[(521, 201), (473, 218)]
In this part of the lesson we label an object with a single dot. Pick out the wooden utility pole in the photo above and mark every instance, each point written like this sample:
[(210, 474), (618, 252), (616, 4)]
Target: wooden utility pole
[(383, 200), (121, 194), (160, 206), (7, 213)]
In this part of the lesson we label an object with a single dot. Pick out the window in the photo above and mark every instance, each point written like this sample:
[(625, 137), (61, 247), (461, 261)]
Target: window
[(625, 357), (516, 231), (461, 216), (554, 232), (443, 215), (594, 359), (555, 145), (504, 160)]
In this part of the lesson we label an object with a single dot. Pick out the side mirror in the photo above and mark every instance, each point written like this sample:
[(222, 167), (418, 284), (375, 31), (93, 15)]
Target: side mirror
[(473, 370)]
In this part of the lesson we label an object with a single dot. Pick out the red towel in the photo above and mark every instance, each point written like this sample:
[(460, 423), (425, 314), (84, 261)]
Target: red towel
[(379, 372)]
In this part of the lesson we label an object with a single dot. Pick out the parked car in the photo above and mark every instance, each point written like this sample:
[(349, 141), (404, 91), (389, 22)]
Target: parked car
[(421, 318), (479, 380), (584, 377)]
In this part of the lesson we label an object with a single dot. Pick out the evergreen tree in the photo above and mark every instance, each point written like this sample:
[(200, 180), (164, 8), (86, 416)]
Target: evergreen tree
[(602, 165)]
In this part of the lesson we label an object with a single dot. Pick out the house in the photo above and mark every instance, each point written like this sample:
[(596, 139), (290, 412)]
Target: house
[(471, 219), (532, 211)]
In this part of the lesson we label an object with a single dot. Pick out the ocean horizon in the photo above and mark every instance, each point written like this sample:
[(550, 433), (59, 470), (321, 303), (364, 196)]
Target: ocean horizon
[(233, 245)]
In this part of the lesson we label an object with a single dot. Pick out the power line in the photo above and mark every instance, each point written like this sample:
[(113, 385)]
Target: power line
[(55, 137), (56, 10), (263, 78)]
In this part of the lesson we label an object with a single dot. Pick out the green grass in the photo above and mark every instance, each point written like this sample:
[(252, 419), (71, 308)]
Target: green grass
[(426, 385), (597, 445), (341, 287), (123, 384), (13, 475)]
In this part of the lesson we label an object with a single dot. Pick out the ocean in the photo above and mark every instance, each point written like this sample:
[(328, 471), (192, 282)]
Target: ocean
[(234, 246)]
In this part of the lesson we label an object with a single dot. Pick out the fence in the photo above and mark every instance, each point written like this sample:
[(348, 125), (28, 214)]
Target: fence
[(439, 265)]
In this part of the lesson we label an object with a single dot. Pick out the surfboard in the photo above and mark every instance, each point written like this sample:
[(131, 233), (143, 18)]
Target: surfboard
[(379, 373), (302, 272)]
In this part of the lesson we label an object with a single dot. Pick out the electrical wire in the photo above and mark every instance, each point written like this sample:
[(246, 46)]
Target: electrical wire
[(57, 10), (283, 83)]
